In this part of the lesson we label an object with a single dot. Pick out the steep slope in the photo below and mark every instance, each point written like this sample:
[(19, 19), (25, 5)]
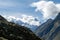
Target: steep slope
[(54, 32), (50, 30), (42, 30), (11, 31)]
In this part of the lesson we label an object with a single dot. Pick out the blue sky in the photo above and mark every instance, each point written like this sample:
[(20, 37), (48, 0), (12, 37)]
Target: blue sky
[(18, 7)]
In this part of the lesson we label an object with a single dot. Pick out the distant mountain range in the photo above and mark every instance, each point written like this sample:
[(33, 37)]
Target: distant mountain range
[(12, 31), (27, 21), (50, 30)]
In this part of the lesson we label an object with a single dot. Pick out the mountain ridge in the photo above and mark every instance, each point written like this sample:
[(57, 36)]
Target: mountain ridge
[(51, 30), (12, 31)]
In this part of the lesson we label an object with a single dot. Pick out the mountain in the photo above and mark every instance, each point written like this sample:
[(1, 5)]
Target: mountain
[(54, 32), (1, 18), (24, 21), (41, 30), (12, 31), (50, 30)]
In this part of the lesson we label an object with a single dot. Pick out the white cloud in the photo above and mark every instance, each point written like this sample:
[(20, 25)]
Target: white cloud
[(49, 9), (30, 19), (25, 19)]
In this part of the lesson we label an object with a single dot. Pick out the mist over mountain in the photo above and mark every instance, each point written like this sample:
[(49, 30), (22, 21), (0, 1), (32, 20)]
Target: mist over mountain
[(47, 31), (50, 29), (24, 20), (12, 31), (41, 29)]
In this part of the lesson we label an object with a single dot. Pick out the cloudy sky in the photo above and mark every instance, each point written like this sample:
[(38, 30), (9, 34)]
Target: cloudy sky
[(43, 9)]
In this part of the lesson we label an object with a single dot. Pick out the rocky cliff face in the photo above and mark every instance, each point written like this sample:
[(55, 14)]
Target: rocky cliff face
[(54, 32), (42, 30), (11, 31), (50, 30)]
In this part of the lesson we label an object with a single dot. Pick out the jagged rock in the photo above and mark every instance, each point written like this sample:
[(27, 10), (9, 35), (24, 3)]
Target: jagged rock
[(50, 30)]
